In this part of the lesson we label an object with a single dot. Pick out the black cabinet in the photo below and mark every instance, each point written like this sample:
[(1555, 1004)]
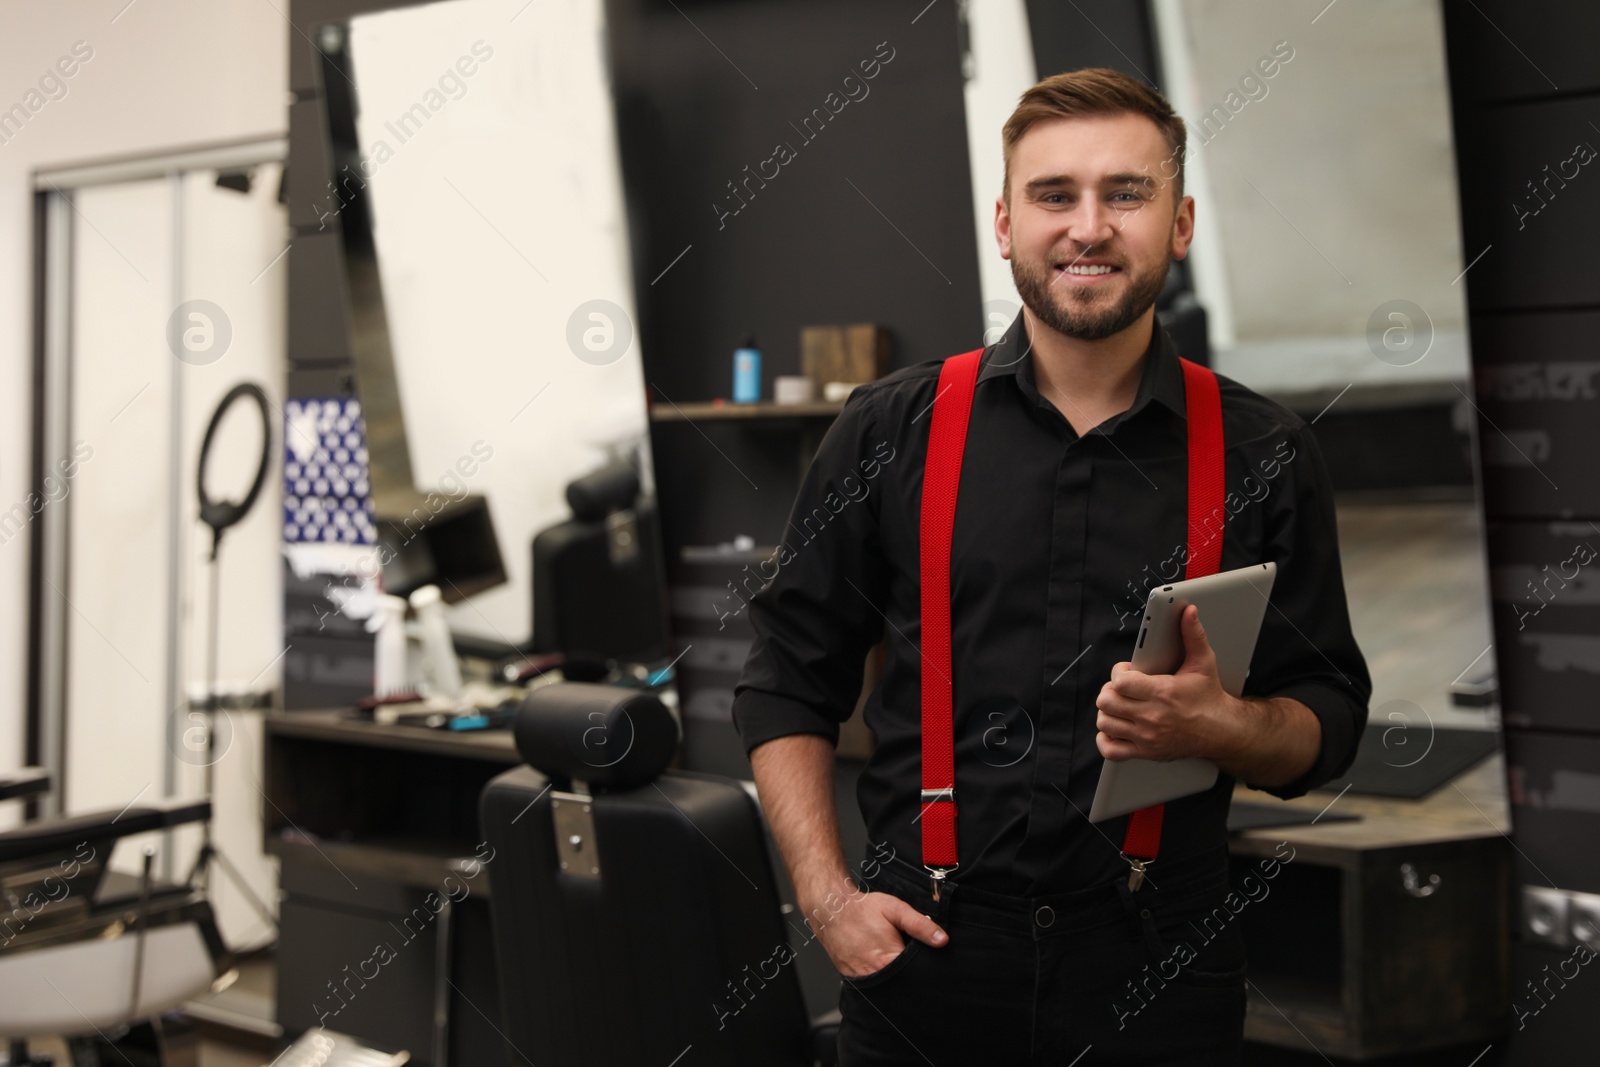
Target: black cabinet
[(384, 918)]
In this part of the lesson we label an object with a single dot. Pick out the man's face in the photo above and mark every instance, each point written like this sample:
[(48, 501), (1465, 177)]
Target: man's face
[(1093, 223)]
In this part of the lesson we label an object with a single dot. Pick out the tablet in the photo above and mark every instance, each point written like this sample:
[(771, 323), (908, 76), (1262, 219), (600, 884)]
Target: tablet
[(1232, 605)]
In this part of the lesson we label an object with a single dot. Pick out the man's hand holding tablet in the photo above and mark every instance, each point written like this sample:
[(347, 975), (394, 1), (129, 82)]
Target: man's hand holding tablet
[(1177, 701)]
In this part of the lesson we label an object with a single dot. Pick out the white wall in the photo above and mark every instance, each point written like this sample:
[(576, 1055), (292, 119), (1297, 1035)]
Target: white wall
[(163, 73)]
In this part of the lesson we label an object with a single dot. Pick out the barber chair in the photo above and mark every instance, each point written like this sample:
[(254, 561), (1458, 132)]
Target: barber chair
[(597, 578), (635, 910), (93, 955)]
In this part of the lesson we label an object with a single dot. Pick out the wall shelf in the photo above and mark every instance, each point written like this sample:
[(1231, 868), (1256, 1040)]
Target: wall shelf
[(665, 411)]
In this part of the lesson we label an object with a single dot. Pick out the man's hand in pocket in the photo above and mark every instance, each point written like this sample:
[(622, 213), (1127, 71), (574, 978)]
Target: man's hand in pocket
[(864, 936)]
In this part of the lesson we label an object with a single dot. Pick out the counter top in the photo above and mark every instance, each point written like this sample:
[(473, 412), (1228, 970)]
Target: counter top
[(344, 727)]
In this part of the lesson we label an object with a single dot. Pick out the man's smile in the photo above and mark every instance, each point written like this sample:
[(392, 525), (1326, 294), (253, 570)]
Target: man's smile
[(1087, 273)]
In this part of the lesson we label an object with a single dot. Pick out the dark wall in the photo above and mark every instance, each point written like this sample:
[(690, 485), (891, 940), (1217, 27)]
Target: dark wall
[(319, 352), (1095, 33), (869, 221), (1526, 96)]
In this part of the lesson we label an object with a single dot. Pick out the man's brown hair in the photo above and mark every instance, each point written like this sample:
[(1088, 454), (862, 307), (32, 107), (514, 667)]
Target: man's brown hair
[(1095, 91)]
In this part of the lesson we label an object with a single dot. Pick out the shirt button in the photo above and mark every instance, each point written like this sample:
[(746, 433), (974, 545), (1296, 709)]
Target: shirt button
[(1045, 916)]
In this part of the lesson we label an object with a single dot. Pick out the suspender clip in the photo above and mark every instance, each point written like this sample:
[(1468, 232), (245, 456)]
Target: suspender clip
[(1136, 877)]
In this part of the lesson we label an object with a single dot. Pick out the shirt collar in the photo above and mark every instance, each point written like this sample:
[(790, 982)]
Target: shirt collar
[(1161, 380)]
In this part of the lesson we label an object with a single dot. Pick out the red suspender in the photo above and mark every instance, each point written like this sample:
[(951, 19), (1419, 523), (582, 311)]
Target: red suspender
[(1202, 401), (941, 479)]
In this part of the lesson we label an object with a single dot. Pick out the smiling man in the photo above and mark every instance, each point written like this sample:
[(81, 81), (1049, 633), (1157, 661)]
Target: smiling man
[(1005, 927)]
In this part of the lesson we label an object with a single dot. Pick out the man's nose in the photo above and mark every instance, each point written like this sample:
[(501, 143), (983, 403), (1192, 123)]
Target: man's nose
[(1091, 223)]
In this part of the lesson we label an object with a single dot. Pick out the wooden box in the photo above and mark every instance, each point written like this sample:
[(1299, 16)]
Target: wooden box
[(855, 353)]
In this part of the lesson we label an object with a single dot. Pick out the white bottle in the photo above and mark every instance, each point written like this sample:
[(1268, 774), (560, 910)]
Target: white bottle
[(440, 671), (388, 621)]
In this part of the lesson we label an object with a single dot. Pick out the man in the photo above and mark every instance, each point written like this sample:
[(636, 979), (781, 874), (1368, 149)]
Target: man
[(1072, 504)]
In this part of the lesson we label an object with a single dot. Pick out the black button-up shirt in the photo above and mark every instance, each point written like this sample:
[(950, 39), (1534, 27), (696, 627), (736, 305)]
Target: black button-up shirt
[(1057, 539)]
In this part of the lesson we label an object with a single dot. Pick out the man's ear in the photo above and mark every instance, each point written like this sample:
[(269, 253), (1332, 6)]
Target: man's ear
[(1002, 227), (1183, 227)]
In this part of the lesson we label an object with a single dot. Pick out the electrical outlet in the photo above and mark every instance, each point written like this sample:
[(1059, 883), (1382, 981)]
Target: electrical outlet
[(1583, 919), (1544, 915)]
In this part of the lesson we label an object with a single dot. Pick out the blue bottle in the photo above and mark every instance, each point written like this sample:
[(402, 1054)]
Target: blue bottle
[(747, 372)]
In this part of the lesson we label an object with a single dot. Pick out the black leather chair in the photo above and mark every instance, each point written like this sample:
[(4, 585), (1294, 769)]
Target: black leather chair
[(635, 912)]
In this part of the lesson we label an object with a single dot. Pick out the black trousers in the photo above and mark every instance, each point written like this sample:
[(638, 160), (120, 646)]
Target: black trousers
[(1101, 977)]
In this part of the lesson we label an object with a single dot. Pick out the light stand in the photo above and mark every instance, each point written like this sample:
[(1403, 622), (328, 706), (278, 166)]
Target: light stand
[(219, 515)]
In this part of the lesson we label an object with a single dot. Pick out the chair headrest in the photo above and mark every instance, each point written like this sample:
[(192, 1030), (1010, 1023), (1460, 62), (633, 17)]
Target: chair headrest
[(599, 493), (600, 734)]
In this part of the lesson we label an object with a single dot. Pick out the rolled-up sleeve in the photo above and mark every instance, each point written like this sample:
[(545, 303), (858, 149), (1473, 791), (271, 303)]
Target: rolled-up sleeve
[(1307, 650), (819, 614)]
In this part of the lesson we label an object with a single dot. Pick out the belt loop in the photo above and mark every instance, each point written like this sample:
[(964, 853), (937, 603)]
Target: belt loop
[(1130, 905)]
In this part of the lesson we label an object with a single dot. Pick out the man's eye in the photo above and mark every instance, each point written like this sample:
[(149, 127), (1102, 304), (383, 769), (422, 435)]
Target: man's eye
[(1132, 197)]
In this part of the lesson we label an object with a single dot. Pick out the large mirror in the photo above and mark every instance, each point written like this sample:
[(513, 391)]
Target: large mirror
[(1329, 259), (496, 359)]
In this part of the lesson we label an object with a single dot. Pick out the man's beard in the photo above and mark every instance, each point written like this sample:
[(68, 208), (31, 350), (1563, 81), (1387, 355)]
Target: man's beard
[(1082, 317)]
